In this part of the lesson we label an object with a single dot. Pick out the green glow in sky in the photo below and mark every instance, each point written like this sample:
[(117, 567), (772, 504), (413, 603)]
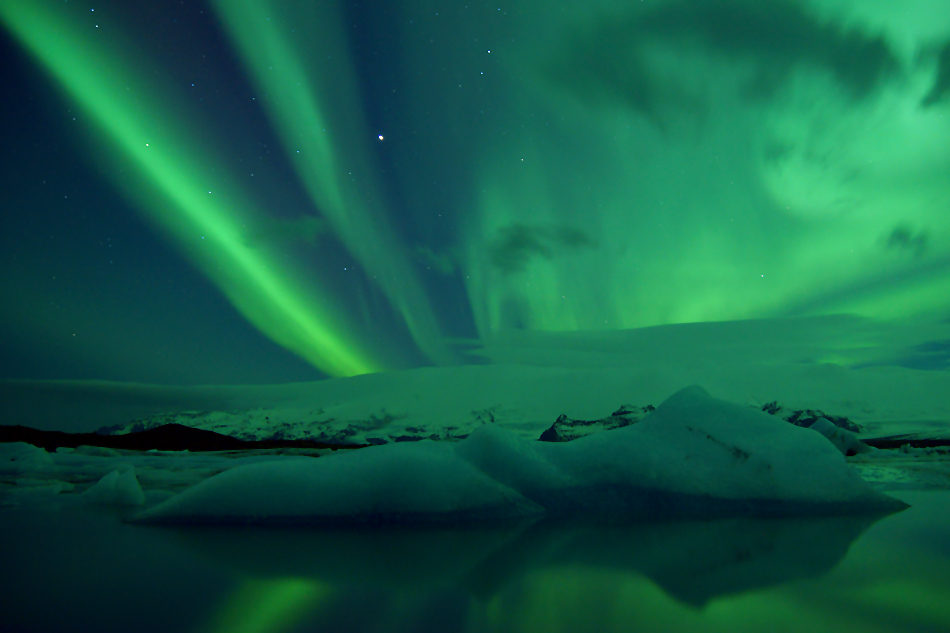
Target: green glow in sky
[(715, 181), (603, 175), (177, 184), (298, 56)]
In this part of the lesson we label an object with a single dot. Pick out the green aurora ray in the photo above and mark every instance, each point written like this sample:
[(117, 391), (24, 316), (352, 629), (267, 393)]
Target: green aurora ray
[(316, 110), (176, 185)]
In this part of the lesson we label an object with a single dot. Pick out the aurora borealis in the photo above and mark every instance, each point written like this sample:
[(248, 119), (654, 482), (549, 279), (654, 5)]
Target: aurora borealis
[(289, 190)]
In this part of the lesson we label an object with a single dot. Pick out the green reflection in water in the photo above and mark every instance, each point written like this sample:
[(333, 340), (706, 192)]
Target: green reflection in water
[(820, 575), (268, 606)]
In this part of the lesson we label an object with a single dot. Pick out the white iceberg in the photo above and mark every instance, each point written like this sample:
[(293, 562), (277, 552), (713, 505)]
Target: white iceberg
[(19, 459), (116, 489), (695, 456), (843, 439)]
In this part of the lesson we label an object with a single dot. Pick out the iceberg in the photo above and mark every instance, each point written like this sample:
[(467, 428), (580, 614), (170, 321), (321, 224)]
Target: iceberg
[(116, 489), (694, 457)]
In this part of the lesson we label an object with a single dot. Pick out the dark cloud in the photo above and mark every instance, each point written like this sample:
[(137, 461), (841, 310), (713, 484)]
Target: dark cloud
[(929, 356), (608, 59), (514, 245), (780, 35), (941, 87), (443, 264), (903, 238)]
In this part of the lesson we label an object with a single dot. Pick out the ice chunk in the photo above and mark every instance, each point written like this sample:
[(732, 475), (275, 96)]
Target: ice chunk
[(694, 456), (97, 451), (19, 459), (116, 489), (843, 439), (405, 482)]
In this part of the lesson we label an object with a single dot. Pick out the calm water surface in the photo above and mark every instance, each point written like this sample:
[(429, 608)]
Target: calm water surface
[(78, 569)]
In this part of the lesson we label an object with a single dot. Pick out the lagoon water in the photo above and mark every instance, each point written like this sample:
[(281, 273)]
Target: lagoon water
[(76, 568)]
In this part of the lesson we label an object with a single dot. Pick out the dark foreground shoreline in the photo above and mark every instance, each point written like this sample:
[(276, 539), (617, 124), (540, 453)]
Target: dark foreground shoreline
[(168, 437), (177, 437)]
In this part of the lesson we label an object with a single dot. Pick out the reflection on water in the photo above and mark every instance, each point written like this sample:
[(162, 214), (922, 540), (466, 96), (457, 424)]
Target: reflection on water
[(693, 562), (74, 568)]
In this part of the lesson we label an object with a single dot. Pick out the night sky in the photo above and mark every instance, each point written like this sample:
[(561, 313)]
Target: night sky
[(91, 290), (257, 192)]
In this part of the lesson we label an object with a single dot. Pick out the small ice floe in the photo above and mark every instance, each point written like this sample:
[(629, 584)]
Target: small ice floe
[(27, 475), (843, 439), (22, 460), (116, 489)]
